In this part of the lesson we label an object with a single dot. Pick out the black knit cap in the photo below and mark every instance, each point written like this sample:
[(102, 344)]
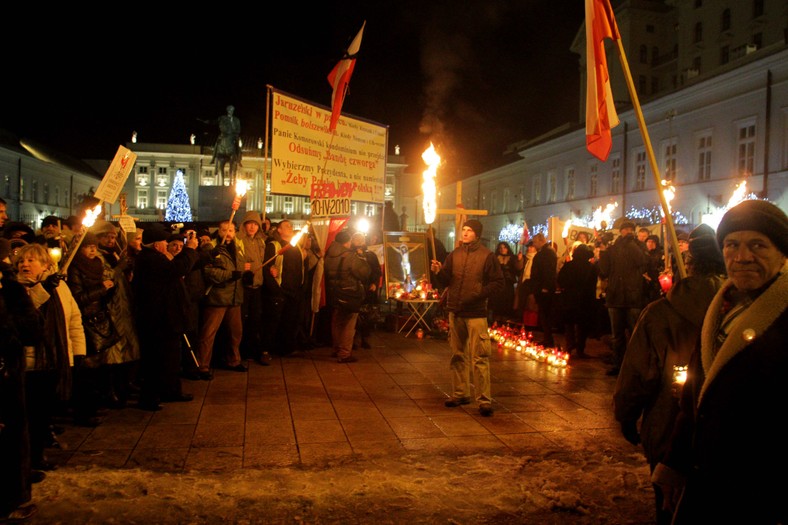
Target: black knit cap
[(475, 225), (755, 215), (342, 237), (156, 232), (703, 246), (50, 220)]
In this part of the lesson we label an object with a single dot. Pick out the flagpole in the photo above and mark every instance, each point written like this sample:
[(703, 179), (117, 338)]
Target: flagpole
[(652, 159), (265, 152)]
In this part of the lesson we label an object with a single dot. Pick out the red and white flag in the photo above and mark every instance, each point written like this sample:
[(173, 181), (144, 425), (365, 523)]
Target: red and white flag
[(526, 235), (601, 114), (339, 78)]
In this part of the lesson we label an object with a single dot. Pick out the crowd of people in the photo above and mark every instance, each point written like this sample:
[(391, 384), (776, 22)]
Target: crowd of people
[(699, 362), (95, 319)]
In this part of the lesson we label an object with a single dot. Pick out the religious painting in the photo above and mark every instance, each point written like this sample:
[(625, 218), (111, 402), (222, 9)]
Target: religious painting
[(406, 262)]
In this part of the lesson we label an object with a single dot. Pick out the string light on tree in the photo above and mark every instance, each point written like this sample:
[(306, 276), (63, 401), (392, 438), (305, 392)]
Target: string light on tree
[(178, 209), (510, 233)]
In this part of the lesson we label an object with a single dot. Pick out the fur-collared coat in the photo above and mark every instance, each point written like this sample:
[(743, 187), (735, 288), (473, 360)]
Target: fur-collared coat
[(665, 335), (733, 448)]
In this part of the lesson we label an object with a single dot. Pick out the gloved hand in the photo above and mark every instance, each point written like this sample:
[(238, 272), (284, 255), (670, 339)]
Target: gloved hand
[(630, 431), (78, 360), (51, 282), (236, 275)]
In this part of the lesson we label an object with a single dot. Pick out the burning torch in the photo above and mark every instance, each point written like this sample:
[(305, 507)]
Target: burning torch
[(293, 242), (666, 277), (90, 218), (240, 190), (433, 160)]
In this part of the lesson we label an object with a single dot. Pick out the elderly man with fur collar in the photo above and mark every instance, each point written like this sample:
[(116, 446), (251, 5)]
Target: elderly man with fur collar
[(728, 450)]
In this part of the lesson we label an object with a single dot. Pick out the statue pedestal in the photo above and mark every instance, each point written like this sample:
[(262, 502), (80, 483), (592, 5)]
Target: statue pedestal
[(215, 204)]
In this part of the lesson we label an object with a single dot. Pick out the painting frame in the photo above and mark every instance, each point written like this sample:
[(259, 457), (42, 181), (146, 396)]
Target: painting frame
[(405, 272)]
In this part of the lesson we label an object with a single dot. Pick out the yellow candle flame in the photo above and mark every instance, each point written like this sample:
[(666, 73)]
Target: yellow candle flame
[(679, 374), (56, 254), (433, 160)]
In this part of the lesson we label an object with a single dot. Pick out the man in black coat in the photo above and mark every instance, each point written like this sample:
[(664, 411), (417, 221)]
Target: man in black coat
[(623, 265), (161, 313), (543, 282), (728, 445)]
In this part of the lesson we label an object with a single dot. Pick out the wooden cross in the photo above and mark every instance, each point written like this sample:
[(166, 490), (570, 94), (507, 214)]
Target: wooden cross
[(460, 215)]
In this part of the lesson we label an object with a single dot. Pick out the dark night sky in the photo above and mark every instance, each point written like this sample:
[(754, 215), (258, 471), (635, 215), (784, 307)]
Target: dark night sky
[(471, 75)]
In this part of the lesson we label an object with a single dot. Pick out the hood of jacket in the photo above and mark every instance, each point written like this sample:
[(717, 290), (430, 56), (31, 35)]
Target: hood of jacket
[(252, 216), (691, 296)]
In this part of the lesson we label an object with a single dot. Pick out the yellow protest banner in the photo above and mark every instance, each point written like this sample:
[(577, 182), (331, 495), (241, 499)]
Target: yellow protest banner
[(308, 160)]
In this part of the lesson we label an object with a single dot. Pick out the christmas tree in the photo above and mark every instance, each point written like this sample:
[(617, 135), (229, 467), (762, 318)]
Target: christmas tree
[(178, 209)]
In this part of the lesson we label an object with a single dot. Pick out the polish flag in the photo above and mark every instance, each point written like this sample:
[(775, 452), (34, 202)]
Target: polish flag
[(601, 114), (339, 78)]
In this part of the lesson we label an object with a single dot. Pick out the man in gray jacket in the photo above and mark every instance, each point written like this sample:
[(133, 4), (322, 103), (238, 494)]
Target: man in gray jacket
[(472, 274)]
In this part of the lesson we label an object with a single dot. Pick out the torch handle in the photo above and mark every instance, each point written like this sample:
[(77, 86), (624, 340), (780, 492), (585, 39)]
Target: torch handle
[(432, 242), (72, 252)]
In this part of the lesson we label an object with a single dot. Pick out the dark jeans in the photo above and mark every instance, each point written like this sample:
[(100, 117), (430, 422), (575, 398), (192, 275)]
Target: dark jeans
[(252, 315), (546, 317), (577, 324), (282, 323), (622, 324)]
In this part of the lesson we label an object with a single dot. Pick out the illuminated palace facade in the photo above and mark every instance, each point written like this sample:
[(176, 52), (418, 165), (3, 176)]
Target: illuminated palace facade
[(148, 187), (712, 79)]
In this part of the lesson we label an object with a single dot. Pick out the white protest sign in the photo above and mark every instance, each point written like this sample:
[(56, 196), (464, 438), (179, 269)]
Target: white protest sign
[(115, 178), (127, 223)]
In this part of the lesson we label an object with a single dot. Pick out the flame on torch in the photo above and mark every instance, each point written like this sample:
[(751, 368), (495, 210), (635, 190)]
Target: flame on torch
[(567, 225), (714, 217), (433, 160), (293, 242), (91, 215), (738, 195), (240, 190), (297, 237), (604, 215), (669, 192), (90, 219)]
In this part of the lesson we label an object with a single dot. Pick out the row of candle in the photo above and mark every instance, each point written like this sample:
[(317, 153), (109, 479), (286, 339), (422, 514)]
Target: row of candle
[(522, 341)]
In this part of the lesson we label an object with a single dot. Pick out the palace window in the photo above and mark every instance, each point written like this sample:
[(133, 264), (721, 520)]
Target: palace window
[(615, 176), (640, 170), (746, 149), (570, 184), (161, 199), (142, 198), (704, 157)]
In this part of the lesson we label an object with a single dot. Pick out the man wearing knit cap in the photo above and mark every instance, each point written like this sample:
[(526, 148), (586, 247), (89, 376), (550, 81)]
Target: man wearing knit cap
[(665, 336), (473, 275), (728, 449)]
